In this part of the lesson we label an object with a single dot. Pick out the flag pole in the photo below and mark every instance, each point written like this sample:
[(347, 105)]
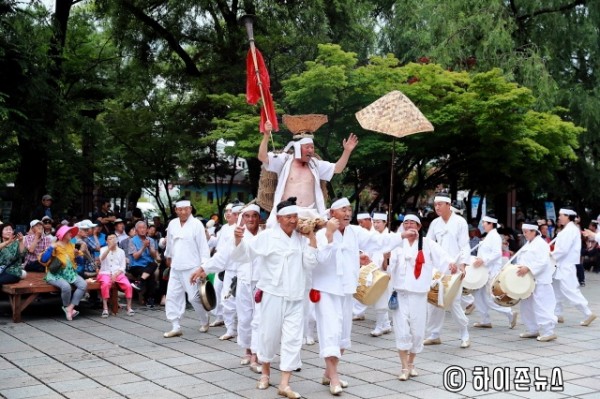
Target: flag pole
[(248, 21)]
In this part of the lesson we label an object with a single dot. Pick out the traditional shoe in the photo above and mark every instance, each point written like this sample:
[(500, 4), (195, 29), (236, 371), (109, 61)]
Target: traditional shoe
[(288, 393), (263, 383), (387, 330), (203, 328), (469, 309), (588, 321), (255, 367), (104, 314), (560, 319), (327, 381), (465, 343), (226, 337), (482, 325), (546, 338), (432, 341), (173, 333), (358, 317), (529, 335), (412, 371), (245, 360), (217, 323), (513, 320), (335, 390), (404, 375), (377, 332)]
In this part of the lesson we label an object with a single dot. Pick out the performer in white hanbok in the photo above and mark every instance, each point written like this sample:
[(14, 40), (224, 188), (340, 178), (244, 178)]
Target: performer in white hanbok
[(358, 309), (336, 278), (382, 323), (567, 253), (489, 254), (411, 266), (452, 233), (300, 173), (213, 243), (283, 256), (537, 311), (186, 250)]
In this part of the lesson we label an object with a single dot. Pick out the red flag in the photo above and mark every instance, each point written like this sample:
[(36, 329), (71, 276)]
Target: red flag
[(253, 91)]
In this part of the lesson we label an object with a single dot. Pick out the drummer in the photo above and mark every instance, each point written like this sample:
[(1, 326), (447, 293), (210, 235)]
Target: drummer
[(336, 278), (567, 253), (382, 324), (411, 264), (489, 254), (537, 311), (452, 233), (366, 222), (300, 174)]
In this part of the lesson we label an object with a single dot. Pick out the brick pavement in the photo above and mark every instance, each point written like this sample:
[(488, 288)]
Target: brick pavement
[(90, 357)]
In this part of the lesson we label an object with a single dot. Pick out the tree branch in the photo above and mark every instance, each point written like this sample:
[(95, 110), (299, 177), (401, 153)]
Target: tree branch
[(173, 43), (549, 10)]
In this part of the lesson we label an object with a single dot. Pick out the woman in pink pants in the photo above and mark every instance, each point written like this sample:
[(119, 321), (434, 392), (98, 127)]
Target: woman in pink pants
[(112, 270)]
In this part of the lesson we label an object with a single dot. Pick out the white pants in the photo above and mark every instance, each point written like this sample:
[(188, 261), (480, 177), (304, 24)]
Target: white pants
[(229, 312), (435, 319), (334, 324), (567, 290), (466, 300), (358, 309), (218, 310), (179, 285), (409, 321), (310, 319), (537, 310), (382, 310), (280, 331), (244, 301), (484, 302), (255, 324)]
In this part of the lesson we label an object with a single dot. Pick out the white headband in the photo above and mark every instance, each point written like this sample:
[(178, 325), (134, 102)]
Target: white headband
[(297, 146), (380, 216), (412, 217), (441, 198), (526, 226), (183, 203), (288, 210), (489, 219), (342, 202), (252, 207), (363, 216), (237, 209), (568, 212)]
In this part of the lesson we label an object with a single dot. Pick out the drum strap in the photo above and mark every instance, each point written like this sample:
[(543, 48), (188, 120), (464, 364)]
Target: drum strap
[(440, 286)]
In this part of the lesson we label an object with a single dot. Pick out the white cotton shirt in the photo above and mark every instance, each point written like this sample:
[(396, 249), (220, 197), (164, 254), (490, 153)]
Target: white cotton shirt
[(284, 261), (114, 261), (186, 245), (567, 250), (490, 251), (535, 254), (402, 265), (453, 236)]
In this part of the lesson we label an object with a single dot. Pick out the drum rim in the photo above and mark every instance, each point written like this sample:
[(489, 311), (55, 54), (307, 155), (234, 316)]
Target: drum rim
[(480, 282)]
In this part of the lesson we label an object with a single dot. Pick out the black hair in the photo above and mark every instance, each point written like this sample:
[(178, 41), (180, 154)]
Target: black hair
[(288, 202)]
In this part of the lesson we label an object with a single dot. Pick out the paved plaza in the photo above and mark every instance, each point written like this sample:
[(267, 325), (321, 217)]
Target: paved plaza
[(46, 356)]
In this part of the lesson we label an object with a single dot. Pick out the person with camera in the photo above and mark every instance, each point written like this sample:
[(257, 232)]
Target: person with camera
[(12, 248)]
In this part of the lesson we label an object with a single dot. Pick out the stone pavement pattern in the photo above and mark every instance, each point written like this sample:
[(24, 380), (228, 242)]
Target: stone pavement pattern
[(90, 357)]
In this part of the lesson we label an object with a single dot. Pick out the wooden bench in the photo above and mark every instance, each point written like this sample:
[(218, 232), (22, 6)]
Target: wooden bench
[(23, 293)]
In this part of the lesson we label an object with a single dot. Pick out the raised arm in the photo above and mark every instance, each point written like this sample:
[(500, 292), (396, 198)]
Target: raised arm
[(349, 146), (263, 150)]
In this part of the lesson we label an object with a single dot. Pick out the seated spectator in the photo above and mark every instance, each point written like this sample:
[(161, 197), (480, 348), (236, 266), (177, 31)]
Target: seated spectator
[(144, 252), (66, 276), (120, 230), (112, 270), (12, 249), (35, 243), (86, 264), (48, 228)]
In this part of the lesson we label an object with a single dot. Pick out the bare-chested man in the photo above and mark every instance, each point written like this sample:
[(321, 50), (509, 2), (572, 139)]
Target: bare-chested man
[(300, 174)]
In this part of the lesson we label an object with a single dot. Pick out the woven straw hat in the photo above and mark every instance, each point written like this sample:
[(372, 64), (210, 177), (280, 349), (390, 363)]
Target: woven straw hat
[(304, 125), (393, 114)]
